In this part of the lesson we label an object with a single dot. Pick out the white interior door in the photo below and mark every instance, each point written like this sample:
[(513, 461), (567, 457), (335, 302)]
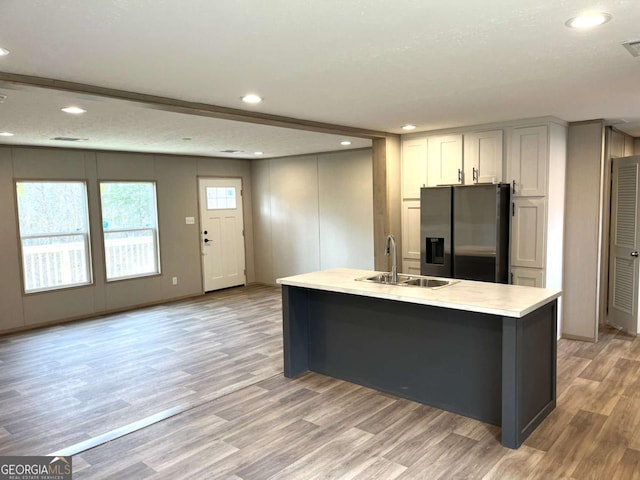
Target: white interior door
[(623, 257), (221, 233)]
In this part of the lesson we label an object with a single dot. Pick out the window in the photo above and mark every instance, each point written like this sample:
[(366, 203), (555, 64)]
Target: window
[(221, 198), (54, 234), (130, 228)]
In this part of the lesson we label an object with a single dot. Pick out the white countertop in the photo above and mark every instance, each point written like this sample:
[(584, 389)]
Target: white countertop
[(493, 298)]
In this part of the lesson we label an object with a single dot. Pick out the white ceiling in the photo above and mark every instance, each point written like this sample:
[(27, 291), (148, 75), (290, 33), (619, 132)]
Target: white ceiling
[(373, 64), (34, 116)]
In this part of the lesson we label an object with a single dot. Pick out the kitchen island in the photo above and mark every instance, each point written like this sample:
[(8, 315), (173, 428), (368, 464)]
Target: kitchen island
[(483, 350)]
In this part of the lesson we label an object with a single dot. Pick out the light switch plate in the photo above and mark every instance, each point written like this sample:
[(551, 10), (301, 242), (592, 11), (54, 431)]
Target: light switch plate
[(189, 220)]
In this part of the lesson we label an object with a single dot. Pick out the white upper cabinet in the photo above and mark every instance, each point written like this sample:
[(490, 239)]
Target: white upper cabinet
[(414, 167), (483, 157), (528, 161), (530, 154), (444, 160)]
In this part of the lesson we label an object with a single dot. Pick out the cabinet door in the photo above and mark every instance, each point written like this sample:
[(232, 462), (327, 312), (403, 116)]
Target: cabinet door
[(528, 160), (483, 157), (410, 236), (444, 160), (527, 232), (529, 277), (414, 167), (412, 267)]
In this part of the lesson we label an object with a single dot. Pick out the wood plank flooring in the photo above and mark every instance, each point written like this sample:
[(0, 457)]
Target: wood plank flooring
[(67, 384), (221, 354)]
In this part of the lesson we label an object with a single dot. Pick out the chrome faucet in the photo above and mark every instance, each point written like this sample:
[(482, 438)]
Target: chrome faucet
[(391, 244)]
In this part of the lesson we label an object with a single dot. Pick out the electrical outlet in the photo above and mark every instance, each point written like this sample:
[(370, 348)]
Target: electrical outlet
[(174, 280)]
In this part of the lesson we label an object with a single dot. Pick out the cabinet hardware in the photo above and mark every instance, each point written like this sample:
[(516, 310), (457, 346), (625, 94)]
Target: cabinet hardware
[(459, 175), (514, 187), (475, 175), (634, 254)]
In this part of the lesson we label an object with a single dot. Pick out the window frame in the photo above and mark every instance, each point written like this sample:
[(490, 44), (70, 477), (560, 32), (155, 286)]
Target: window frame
[(155, 232), (218, 197), (87, 238)]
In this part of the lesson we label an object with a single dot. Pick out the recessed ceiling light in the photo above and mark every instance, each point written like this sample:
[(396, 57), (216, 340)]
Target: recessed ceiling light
[(252, 98), (588, 20), (6, 134), (74, 110), (409, 127), (257, 153), (345, 142), (3, 52)]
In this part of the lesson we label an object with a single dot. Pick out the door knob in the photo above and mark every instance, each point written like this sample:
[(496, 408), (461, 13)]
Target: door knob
[(634, 254), (206, 240)]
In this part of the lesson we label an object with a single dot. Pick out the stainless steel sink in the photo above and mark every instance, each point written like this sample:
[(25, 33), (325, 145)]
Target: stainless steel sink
[(428, 282), (408, 280), (386, 278)]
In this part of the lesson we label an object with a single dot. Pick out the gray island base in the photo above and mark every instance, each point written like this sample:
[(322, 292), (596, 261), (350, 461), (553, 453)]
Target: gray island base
[(497, 365)]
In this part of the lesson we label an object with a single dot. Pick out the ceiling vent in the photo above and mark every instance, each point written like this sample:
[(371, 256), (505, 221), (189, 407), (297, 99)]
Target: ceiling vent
[(633, 47), (69, 139)]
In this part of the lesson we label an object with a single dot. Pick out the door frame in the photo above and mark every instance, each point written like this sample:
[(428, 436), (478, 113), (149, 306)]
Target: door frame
[(199, 222), (609, 223), (608, 155)]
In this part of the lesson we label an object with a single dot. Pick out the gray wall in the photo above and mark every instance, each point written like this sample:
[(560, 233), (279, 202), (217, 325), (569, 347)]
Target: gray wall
[(312, 212), (583, 229), (176, 178)]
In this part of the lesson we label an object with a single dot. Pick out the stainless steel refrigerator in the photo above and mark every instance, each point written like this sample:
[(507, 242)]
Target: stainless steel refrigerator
[(465, 231)]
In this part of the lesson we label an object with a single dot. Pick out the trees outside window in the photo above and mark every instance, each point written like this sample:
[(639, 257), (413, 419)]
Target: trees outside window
[(130, 229), (54, 234)]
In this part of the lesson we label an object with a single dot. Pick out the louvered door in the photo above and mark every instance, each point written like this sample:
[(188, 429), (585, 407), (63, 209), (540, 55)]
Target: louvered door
[(623, 259)]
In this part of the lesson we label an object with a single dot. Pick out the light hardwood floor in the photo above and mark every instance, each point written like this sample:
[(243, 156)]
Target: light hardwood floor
[(219, 359), (67, 384)]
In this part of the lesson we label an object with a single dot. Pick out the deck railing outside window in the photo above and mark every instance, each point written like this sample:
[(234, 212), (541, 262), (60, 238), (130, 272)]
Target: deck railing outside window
[(53, 221), (130, 229), (52, 261), (130, 252)]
